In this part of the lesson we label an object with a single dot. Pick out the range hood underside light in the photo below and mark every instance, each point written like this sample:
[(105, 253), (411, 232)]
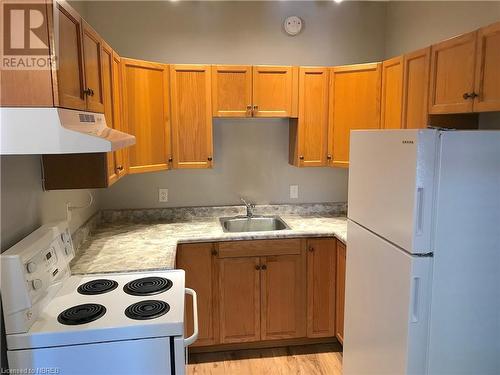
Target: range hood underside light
[(57, 131)]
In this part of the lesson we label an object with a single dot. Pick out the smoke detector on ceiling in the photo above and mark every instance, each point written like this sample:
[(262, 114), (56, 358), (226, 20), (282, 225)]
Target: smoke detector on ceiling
[(293, 25)]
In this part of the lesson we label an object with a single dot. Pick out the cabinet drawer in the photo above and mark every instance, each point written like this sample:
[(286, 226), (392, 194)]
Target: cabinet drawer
[(234, 249)]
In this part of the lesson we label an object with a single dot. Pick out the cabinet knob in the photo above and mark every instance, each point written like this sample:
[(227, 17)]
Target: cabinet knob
[(311, 249), (170, 160), (88, 91), (264, 267), (249, 107), (470, 95), (301, 157), (209, 158), (257, 267), (255, 107), (329, 157), (214, 252), (119, 168)]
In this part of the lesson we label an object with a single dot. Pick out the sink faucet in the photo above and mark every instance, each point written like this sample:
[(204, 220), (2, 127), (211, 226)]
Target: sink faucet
[(249, 206)]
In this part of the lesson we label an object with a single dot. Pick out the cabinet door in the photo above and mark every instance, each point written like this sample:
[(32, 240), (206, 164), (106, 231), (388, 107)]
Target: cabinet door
[(354, 104), (121, 156), (272, 91), (191, 116), (70, 71), (416, 89), (392, 93), (146, 114), (312, 131), (92, 49), (107, 86), (487, 81), (340, 291), (283, 313), (239, 299), (452, 75), (198, 260), (321, 280), (232, 91)]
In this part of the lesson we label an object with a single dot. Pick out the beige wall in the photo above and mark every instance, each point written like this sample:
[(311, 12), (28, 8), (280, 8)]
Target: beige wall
[(250, 155), (25, 206), (411, 25)]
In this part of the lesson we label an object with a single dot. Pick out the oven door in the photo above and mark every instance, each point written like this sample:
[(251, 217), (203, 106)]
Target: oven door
[(144, 356)]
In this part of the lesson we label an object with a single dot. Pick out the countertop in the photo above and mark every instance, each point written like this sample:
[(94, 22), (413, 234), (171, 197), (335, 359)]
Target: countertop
[(121, 246)]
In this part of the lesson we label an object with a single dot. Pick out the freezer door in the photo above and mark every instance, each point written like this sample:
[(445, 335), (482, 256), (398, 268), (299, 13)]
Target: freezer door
[(386, 307), (391, 184)]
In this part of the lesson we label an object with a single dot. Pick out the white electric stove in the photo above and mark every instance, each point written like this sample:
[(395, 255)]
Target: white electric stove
[(118, 323)]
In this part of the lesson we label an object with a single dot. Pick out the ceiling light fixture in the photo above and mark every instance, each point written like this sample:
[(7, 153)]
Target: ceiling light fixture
[(338, 1)]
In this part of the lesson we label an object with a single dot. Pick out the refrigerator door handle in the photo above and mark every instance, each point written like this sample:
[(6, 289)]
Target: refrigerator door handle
[(415, 299), (420, 210)]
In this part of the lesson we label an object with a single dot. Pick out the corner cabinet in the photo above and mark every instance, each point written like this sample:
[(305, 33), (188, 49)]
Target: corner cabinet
[(392, 93), (309, 132), (354, 104), (146, 114), (190, 90)]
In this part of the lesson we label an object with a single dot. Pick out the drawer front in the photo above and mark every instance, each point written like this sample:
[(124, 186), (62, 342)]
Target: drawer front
[(234, 249)]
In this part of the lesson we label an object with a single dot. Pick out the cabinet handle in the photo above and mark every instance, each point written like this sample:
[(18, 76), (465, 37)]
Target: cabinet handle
[(301, 157), (257, 267), (329, 157), (255, 107), (214, 252), (170, 160), (311, 249), (471, 95), (264, 267), (119, 168), (88, 91), (209, 158), (249, 107)]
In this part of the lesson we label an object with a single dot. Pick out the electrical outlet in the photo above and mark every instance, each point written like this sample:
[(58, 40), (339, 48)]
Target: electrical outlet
[(294, 191), (162, 195)]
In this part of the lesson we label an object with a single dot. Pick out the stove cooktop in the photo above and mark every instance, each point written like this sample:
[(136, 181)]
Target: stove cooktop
[(73, 317)]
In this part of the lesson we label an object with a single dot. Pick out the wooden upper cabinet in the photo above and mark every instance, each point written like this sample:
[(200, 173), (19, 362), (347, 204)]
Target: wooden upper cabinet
[(416, 89), (392, 93), (274, 88), (70, 81), (340, 291), (120, 156), (232, 91), (487, 80), (108, 93), (198, 260), (321, 282), (452, 75), (146, 114), (92, 50), (309, 133), (239, 299), (191, 116), (354, 104), (283, 292)]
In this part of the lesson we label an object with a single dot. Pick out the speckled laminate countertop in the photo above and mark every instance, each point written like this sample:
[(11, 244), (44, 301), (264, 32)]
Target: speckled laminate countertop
[(138, 246)]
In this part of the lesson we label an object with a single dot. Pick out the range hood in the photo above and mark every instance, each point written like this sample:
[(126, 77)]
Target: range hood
[(57, 131)]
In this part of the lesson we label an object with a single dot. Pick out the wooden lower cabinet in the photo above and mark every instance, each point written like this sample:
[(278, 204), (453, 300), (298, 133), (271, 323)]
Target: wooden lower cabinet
[(283, 297), (340, 292), (198, 260), (262, 290), (239, 299), (321, 282)]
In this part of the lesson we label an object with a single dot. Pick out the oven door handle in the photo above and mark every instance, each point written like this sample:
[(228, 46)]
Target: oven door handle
[(191, 339)]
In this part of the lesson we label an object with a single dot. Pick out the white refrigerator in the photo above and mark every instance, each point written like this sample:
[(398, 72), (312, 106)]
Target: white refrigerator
[(423, 253)]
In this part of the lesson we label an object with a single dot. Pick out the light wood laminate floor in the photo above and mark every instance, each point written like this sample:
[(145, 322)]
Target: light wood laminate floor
[(320, 359)]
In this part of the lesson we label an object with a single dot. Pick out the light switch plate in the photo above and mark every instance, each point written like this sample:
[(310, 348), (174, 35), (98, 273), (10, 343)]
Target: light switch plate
[(294, 191), (162, 195)]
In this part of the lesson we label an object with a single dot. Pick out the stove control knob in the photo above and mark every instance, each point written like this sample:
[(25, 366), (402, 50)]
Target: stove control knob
[(31, 267), (36, 284)]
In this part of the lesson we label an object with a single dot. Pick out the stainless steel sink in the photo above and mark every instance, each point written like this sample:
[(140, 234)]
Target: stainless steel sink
[(252, 224)]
